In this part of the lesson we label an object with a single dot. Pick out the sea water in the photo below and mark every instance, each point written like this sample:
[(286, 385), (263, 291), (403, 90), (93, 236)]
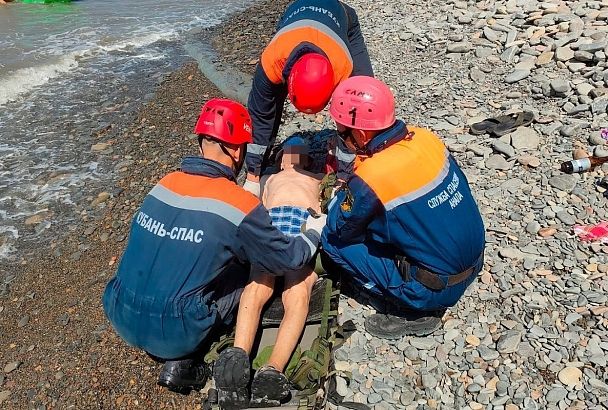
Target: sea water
[(62, 67)]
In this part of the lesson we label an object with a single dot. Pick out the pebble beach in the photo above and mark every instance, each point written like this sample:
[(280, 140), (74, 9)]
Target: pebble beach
[(531, 333)]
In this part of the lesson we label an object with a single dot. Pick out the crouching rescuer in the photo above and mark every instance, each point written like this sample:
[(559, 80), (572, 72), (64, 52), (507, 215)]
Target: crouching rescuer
[(191, 247), (406, 227)]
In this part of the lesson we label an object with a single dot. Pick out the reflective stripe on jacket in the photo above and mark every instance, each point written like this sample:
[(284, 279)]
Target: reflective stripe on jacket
[(411, 194)]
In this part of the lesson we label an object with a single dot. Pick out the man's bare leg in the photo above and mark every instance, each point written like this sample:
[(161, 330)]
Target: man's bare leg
[(255, 295), (296, 298), (231, 371)]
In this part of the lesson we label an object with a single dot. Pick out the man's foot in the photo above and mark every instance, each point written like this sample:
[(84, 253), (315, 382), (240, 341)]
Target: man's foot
[(231, 373), (269, 387), (182, 376), (387, 326)]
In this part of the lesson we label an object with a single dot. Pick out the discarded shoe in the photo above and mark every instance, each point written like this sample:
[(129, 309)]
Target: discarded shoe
[(269, 387), (183, 376), (231, 373), (503, 124), (387, 326)]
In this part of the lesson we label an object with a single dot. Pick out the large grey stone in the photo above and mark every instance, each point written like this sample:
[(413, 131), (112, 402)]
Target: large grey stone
[(509, 54), (487, 354), (564, 182), (556, 394), (423, 343), (533, 227), (599, 105), (599, 385), (566, 218), (584, 88), (498, 162), (600, 151), (583, 56), (503, 148), (341, 386), (460, 47), (564, 54), (374, 398), (517, 75), (560, 86), (509, 341), (576, 67), (429, 381), (593, 47), (525, 138), (490, 34), (577, 109), (596, 139)]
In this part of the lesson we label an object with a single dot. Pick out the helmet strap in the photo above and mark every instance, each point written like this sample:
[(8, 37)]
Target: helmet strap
[(348, 134), (236, 164)]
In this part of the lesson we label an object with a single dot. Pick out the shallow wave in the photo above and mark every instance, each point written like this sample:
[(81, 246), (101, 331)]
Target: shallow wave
[(26, 79)]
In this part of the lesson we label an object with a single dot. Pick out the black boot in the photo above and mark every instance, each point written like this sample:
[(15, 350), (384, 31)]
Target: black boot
[(269, 387), (231, 373), (388, 326), (182, 376)]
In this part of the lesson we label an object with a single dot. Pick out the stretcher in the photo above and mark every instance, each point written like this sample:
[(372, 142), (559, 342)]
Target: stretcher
[(310, 368)]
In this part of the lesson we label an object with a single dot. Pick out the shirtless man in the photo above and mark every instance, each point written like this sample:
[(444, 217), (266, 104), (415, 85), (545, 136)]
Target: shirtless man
[(287, 195)]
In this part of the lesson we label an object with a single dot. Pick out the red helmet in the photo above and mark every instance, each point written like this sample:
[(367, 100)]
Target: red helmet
[(226, 121), (311, 83), (363, 103)]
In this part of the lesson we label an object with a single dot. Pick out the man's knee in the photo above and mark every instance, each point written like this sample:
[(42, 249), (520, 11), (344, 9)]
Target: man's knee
[(298, 290), (259, 289)]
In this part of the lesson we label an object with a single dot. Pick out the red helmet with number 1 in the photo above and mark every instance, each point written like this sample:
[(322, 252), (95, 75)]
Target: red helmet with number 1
[(225, 121), (311, 83), (363, 103)]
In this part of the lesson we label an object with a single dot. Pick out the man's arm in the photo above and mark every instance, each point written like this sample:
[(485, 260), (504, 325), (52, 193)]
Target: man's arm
[(265, 106), (353, 210), (358, 49), (268, 249)]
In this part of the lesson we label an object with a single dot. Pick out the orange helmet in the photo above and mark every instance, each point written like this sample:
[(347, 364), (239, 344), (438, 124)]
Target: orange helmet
[(311, 83), (363, 103), (226, 121)]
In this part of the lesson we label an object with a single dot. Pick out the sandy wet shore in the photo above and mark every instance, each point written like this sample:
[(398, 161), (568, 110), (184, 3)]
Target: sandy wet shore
[(54, 333)]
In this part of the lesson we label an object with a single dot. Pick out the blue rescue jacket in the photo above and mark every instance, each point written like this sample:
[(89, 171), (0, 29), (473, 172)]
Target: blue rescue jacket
[(327, 27), (408, 192), (192, 226)]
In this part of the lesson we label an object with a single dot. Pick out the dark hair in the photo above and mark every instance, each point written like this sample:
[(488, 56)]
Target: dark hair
[(203, 137)]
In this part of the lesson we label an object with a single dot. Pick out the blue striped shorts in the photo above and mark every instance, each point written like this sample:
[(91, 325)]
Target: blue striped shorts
[(288, 219)]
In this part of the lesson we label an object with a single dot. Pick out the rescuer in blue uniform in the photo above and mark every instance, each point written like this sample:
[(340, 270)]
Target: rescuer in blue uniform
[(406, 227), (191, 245), (318, 44)]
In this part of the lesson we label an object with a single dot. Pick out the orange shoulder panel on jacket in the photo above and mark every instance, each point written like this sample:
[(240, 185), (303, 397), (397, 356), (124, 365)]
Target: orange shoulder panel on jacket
[(276, 53), (199, 186), (405, 167)]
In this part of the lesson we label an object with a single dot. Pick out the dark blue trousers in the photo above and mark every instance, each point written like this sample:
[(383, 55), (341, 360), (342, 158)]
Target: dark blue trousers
[(372, 265)]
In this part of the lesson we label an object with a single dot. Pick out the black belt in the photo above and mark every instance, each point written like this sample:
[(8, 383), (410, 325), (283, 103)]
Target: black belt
[(430, 279)]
